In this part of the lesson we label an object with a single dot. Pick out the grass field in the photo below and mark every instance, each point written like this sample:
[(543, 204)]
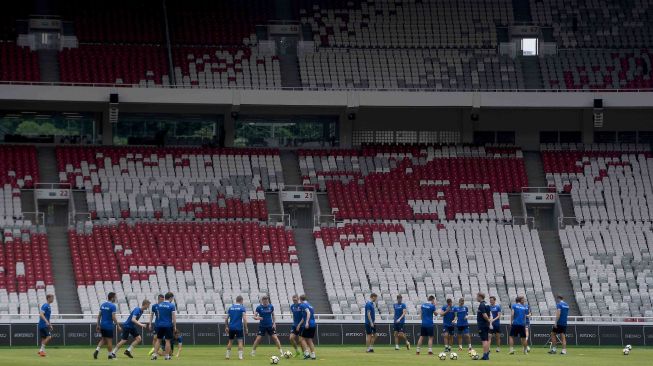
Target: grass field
[(330, 355)]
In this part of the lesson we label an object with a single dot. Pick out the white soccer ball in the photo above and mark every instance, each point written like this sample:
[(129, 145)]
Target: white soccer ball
[(453, 356), (274, 360), (626, 351), (475, 356), (287, 354), (630, 348), (442, 356)]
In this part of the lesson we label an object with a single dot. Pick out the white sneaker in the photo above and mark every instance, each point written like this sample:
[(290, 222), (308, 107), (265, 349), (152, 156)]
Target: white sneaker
[(528, 348), (563, 352), (253, 353), (396, 348)]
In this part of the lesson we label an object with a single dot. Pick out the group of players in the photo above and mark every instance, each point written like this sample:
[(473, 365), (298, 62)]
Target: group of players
[(455, 320), (163, 322)]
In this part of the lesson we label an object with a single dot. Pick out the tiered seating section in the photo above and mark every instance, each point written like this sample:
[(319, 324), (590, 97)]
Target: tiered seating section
[(610, 266), (202, 67), (206, 264), (608, 183), (412, 24), (25, 267), (141, 65), (409, 68), (415, 182), (596, 23), (599, 69), (451, 260), (608, 254), (18, 169), (207, 22), (18, 63), (172, 183)]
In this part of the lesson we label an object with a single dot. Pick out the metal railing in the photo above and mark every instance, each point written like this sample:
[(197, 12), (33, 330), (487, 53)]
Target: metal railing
[(564, 221), (36, 218), (279, 219), (448, 90), (324, 318)]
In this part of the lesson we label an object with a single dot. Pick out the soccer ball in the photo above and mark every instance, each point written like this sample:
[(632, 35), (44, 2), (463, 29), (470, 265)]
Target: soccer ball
[(287, 354), (473, 354), (630, 348), (626, 351), (274, 360), (442, 356), (453, 356)]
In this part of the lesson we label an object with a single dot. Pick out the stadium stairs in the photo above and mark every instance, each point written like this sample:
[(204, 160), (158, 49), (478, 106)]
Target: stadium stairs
[(311, 271), (522, 10), (323, 201), (272, 201), (289, 66), (290, 164), (516, 205), (27, 201), (49, 65), (567, 205), (531, 71), (64, 278), (549, 238), (79, 199)]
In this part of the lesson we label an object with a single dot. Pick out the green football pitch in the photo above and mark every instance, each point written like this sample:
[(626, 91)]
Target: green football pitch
[(330, 355)]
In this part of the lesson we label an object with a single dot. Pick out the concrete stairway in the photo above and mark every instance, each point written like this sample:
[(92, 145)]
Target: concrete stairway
[(516, 205), (64, 278), (323, 201), (79, 199), (289, 66), (530, 66), (534, 169), (47, 165), (290, 164), (27, 201), (311, 271), (522, 10), (272, 201), (557, 268), (49, 65), (567, 205)]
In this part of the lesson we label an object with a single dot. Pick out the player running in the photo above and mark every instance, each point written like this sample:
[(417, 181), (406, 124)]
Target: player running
[(297, 315), (483, 319), (562, 312), (427, 329), (462, 324), (495, 311), (448, 315), (154, 328), (517, 325), (106, 319), (264, 313), (400, 323), (370, 325), (45, 327), (308, 327), (167, 326), (236, 324), (129, 329)]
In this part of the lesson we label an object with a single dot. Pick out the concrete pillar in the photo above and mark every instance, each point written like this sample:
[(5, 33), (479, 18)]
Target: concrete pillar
[(346, 130), (229, 130), (586, 122), (466, 126), (106, 128)]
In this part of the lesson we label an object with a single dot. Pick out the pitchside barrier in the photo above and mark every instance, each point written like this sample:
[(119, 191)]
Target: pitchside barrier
[(78, 330)]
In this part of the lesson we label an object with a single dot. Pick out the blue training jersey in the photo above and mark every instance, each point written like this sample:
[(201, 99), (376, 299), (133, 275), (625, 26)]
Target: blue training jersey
[(369, 308), (165, 311), (265, 312), (297, 314), (447, 319), (135, 314), (155, 314), (310, 317), (399, 311), (236, 312), (47, 310), (528, 311), (461, 315), (564, 312), (494, 311), (428, 310), (106, 315), (519, 317)]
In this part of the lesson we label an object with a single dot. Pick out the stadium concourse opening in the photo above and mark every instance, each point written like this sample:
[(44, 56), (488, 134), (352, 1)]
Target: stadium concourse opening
[(326, 172)]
